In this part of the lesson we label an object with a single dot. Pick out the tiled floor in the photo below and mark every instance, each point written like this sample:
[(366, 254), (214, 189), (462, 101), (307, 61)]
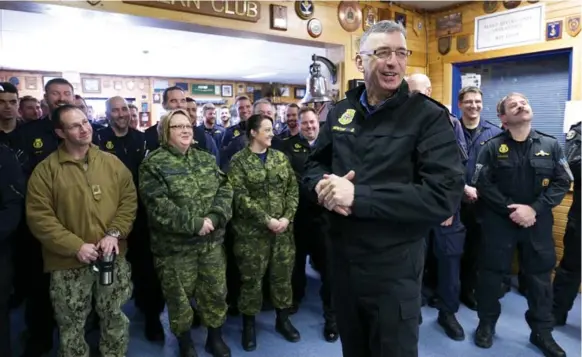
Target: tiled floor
[(511, 340)]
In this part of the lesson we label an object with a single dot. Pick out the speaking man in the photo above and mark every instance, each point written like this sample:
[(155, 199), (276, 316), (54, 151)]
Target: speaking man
[(387, 165)]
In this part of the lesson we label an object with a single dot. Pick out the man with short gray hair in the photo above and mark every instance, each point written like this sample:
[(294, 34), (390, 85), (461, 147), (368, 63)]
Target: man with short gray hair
[(387, 166)]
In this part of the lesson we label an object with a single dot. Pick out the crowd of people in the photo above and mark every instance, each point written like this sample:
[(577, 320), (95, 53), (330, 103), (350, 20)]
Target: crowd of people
[(215, 221)]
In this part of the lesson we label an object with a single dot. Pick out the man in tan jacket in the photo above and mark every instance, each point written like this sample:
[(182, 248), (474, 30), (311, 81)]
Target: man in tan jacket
[(81, 204)]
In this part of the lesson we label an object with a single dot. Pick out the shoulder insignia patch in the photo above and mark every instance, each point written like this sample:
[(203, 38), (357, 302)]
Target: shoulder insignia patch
[(235, 133), (297, 146), (571, 134), (347, 117), (109, 145), (504, 149)]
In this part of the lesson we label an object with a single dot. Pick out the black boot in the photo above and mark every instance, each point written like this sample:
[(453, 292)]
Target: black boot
[(284, 326), (546, 343), (214, 343), (186, 345), (484, 334), (153, 329), (249, 335), (451, 325), (330, 332)]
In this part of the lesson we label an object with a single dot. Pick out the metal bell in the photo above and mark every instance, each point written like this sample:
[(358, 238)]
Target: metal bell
[(318, 89)]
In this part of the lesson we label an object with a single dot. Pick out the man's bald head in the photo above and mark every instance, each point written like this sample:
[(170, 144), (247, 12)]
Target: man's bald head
[(419, 82), (117, 112)]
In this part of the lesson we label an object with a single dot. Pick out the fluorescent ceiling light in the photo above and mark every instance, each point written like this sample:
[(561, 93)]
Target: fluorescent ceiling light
[(261, 75)]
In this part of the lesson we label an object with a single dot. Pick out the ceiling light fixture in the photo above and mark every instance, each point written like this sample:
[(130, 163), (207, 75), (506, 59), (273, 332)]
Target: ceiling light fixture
[(260, 75)]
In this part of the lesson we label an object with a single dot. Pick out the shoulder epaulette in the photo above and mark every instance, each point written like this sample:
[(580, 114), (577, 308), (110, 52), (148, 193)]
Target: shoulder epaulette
[(439, 104), (544, 134), (493, 137)]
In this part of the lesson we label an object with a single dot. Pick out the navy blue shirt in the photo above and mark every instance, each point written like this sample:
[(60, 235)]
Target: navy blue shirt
[(262, 157), (369, 108)]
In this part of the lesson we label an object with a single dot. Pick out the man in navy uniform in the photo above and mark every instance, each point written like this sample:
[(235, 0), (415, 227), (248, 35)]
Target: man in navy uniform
[(387, 164), (521, 174)]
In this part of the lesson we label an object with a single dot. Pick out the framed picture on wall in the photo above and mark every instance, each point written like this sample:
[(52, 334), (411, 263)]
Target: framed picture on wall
[(91, 85), (299, 93), (45, 80), (226, 90)]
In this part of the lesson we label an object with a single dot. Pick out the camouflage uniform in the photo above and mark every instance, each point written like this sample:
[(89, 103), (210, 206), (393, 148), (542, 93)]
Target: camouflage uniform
[(261, 192), (71, 291), (178, 191)]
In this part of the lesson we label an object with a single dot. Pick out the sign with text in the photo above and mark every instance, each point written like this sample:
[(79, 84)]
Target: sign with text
[(207, 89), (518, 27), (243, 10)]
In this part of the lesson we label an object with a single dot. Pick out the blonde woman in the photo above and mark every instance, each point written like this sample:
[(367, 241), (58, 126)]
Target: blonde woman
[(188, 200)]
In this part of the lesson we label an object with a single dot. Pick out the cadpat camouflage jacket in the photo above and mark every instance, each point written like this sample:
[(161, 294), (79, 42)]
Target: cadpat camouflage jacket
[(178, 191), (262, 191)]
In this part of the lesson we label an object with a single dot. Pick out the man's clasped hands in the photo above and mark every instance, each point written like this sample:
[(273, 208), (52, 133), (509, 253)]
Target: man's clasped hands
[(336, 193)]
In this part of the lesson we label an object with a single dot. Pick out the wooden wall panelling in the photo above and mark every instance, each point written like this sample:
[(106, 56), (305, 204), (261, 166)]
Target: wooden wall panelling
[(440, 68)]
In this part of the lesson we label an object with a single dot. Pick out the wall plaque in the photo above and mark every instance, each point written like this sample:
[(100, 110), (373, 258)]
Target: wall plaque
[(449, 24), (244, 10), (314, 28), (278, 17), (349, 14), (517, 27), (204, 89)]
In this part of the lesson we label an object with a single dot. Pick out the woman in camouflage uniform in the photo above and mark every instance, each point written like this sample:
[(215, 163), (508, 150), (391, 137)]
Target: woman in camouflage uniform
[(188, 201), (265, 201)]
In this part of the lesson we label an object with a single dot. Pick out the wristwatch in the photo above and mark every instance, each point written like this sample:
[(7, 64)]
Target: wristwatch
[(113, 233)]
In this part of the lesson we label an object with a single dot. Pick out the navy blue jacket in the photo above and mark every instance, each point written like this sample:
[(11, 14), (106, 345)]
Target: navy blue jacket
[(36, 140), (216, 132), (130, 149), (12, 187), (484, 131)]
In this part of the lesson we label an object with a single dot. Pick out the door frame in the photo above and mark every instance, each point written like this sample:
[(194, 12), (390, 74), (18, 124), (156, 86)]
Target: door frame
[(456, 70)]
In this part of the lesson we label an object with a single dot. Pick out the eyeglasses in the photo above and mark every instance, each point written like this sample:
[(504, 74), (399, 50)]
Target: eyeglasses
[(181, 127), (78, 126), (386, 53)]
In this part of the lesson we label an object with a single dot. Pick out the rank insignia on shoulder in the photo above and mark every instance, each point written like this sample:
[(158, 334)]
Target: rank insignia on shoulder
[(235, 133), (542, 153), (503, 149), (109, 145), (347, 117), (571, 134)]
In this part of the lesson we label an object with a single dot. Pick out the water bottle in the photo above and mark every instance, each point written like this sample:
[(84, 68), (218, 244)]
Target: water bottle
[(105, 267)]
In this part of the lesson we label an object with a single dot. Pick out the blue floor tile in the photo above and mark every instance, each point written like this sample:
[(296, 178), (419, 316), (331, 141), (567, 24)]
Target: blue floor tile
[(511, 339)]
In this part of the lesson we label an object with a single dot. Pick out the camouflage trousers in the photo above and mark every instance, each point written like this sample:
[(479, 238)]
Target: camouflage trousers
[(199, 273), (254, 254), (71, 293)]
